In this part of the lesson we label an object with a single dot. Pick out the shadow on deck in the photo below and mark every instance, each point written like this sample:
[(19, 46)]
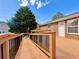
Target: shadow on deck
[(28, 50), (33, 52)]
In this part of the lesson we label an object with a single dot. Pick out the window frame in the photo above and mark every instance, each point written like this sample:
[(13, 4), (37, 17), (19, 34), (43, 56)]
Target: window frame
[(73, 26), (49, 27)]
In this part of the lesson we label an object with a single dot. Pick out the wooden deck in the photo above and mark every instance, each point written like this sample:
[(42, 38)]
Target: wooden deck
[(65, 49), (28, 50)]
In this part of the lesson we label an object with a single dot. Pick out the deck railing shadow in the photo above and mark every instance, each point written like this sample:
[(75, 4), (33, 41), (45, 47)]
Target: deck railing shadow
[(9, 45), (46, 42)]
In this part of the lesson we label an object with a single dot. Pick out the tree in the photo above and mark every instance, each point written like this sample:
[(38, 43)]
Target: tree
[(57, 16), (23, 21)]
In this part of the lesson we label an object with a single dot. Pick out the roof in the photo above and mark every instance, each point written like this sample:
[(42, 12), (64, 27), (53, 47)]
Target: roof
[(68, 17)]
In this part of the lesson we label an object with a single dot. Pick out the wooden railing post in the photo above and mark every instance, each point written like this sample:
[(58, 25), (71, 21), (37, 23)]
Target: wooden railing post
[(52, 46), (6, 50), (49, 50), (0, 52)]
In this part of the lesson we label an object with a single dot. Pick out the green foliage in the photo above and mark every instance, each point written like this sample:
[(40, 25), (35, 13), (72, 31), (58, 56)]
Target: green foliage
[(57, 16), (23, 21)]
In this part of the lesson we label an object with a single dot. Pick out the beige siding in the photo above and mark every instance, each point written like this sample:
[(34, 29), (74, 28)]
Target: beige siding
[(44, 27), (54, 27)]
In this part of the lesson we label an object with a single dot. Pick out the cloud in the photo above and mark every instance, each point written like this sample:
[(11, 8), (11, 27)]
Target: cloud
[(24, 3), (18, 0), (32, 2), (38, 3), (46, 3), (41, 4)]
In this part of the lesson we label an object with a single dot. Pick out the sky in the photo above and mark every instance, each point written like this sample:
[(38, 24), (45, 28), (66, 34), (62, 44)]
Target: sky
[(44, 10)]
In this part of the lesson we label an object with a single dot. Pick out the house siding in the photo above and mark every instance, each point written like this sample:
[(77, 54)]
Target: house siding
[(43, 27), (54, 27), (4, 28)]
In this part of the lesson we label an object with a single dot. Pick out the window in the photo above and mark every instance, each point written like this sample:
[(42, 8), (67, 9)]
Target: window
[(49, 27), (3, 32), (72, 26)]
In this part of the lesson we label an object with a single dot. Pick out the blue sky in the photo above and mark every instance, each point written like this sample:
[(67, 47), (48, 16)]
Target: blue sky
[(42, 9)]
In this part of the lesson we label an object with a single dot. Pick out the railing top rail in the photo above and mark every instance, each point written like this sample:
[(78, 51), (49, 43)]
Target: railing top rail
[(42, 31), (48, 33), (46, 42), (7, 37)]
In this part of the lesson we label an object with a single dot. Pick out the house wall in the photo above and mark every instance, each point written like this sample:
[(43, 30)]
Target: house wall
[(54, 27), (70, 36), (4, 28), (45, 27)]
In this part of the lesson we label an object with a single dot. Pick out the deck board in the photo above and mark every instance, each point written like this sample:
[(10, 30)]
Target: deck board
[(67, 48), (28, 50)]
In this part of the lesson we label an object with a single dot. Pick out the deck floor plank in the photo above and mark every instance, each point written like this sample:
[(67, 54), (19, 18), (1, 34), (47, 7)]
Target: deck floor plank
[(28, 50)]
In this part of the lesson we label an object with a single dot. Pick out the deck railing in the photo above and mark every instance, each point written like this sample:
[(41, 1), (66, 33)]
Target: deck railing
[(9, 45), (46, 42)]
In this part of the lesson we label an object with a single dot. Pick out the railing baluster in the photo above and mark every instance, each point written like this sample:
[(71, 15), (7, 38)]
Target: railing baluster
[(9, 45), (52, 46), (46, 42)]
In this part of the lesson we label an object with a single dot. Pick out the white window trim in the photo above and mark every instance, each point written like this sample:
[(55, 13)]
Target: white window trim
[(71, 26)]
